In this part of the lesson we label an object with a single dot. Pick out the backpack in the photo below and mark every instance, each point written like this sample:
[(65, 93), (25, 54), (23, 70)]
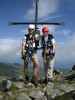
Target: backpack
[(48, 45)]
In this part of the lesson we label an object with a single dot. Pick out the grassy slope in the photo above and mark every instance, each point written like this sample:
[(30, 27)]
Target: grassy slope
[(8, 69)]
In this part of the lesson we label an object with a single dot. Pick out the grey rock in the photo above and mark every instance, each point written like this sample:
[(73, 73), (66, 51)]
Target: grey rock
[(22, 96), (43, 98), (53, 93), (1, 97), (19, 85), (73, 95), (8, 96), (58, 90), (66, 87), (5, 85), (37, 94), (29, 85), (70, 76)]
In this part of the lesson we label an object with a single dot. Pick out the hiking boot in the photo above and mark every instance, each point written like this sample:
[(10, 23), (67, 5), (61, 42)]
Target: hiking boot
[(35, 82), (26, 80), (50, 79), (46, 81)]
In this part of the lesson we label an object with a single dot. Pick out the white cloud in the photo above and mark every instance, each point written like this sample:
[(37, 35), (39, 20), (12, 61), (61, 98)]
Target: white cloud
[(46, 7), (9, 49), (65, 52)]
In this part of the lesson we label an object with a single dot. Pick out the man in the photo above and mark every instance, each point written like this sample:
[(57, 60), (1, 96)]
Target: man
[(29, 46), (48, 44)]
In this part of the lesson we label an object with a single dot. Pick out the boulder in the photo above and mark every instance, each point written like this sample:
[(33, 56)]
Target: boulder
[(22, 96), (6, 85), (73, 68)]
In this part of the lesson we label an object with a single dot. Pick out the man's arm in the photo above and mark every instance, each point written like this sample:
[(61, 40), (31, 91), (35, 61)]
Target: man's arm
[(54, 43), (23, 43)]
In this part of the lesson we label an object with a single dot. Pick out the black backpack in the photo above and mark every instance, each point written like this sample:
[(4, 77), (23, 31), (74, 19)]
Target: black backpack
[(49, 42), (49, 45)]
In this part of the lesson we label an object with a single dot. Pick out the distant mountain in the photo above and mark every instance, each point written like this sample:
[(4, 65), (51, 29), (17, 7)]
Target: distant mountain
[(8, 69)]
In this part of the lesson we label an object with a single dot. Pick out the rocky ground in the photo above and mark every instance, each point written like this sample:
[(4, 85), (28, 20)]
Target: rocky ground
[(62, 88), (51, 91)]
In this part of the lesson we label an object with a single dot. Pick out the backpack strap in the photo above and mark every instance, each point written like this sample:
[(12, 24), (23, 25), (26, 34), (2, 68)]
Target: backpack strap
[(43, 41), (50, 37)]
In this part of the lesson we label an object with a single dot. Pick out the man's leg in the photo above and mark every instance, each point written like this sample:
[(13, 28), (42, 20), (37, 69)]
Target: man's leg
[(50, 68), (36, 67), (26, 78), (45, 67)]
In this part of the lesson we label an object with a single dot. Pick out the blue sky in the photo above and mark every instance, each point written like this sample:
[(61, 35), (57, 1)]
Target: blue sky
[(49, 10)]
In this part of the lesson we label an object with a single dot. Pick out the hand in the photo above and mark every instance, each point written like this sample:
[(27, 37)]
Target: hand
[(47, 51)]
